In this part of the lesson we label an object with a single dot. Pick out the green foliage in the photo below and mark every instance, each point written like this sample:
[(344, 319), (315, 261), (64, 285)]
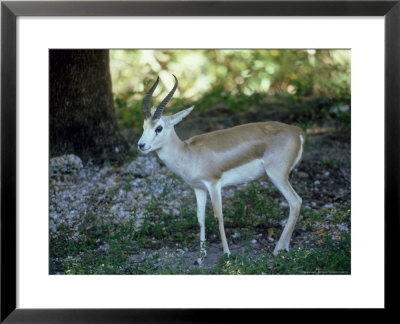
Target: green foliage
[(254, 207), (341, 215), (238, 79), (344, 117), (83, 253), (294, 72), (329, 162), (311, 215), (128, 110)]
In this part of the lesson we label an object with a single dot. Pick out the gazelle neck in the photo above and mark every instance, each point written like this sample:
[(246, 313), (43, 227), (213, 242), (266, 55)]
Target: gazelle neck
[(173, 151)]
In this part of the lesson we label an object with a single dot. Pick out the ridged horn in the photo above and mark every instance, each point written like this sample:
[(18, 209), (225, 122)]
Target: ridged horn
[(161, 106), (146, 100)]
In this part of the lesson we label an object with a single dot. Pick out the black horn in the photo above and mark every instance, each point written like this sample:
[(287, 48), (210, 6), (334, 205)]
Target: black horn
[(146, 100), (161, 106)]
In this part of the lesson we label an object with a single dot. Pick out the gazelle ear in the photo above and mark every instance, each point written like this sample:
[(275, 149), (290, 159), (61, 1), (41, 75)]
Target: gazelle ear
[(176, 118)]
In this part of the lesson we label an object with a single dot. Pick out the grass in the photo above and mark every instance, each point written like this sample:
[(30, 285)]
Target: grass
[(333, 258), (98, 248)]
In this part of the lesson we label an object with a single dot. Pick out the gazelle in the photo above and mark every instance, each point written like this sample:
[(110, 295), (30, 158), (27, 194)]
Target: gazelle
[(211, 161)]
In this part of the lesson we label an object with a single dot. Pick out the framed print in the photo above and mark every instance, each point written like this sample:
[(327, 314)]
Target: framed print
[(334, 37)]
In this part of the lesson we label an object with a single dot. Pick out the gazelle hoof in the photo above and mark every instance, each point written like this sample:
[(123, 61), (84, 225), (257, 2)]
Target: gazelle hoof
[(279, 248)]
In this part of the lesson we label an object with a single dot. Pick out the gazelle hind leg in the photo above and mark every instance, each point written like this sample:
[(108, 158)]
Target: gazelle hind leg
[(201, 197), (216, 199), (280, 180)]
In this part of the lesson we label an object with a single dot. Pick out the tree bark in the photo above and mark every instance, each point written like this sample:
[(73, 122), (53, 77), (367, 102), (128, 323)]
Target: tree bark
[(82, 116)]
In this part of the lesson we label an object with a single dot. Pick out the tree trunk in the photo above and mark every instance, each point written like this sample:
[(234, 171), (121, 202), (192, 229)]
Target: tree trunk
[(82, 116)]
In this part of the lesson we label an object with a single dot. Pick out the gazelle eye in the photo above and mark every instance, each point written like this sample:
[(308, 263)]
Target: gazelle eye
[(158, 129)]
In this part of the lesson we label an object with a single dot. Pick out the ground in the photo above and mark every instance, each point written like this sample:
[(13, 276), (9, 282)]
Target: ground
[(139, 218)]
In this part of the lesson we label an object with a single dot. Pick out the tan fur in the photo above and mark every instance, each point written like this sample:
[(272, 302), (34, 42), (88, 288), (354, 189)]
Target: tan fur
[(217, 152)]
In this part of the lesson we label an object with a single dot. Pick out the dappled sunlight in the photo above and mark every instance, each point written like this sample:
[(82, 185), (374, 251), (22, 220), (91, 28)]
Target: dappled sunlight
[(233, 79), (276, 72)]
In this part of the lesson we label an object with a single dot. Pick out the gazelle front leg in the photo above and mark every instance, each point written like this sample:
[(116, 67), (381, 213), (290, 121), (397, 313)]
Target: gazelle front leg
[(215, 193), (201, 197)]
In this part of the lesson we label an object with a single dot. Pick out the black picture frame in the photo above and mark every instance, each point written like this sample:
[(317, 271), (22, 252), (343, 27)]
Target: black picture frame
[(10, 10)]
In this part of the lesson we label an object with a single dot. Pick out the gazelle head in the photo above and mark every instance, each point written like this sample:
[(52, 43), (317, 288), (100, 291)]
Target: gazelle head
[(157, 128)]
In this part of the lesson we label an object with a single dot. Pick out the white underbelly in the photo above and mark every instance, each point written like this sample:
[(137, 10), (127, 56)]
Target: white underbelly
[(245, 173)]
